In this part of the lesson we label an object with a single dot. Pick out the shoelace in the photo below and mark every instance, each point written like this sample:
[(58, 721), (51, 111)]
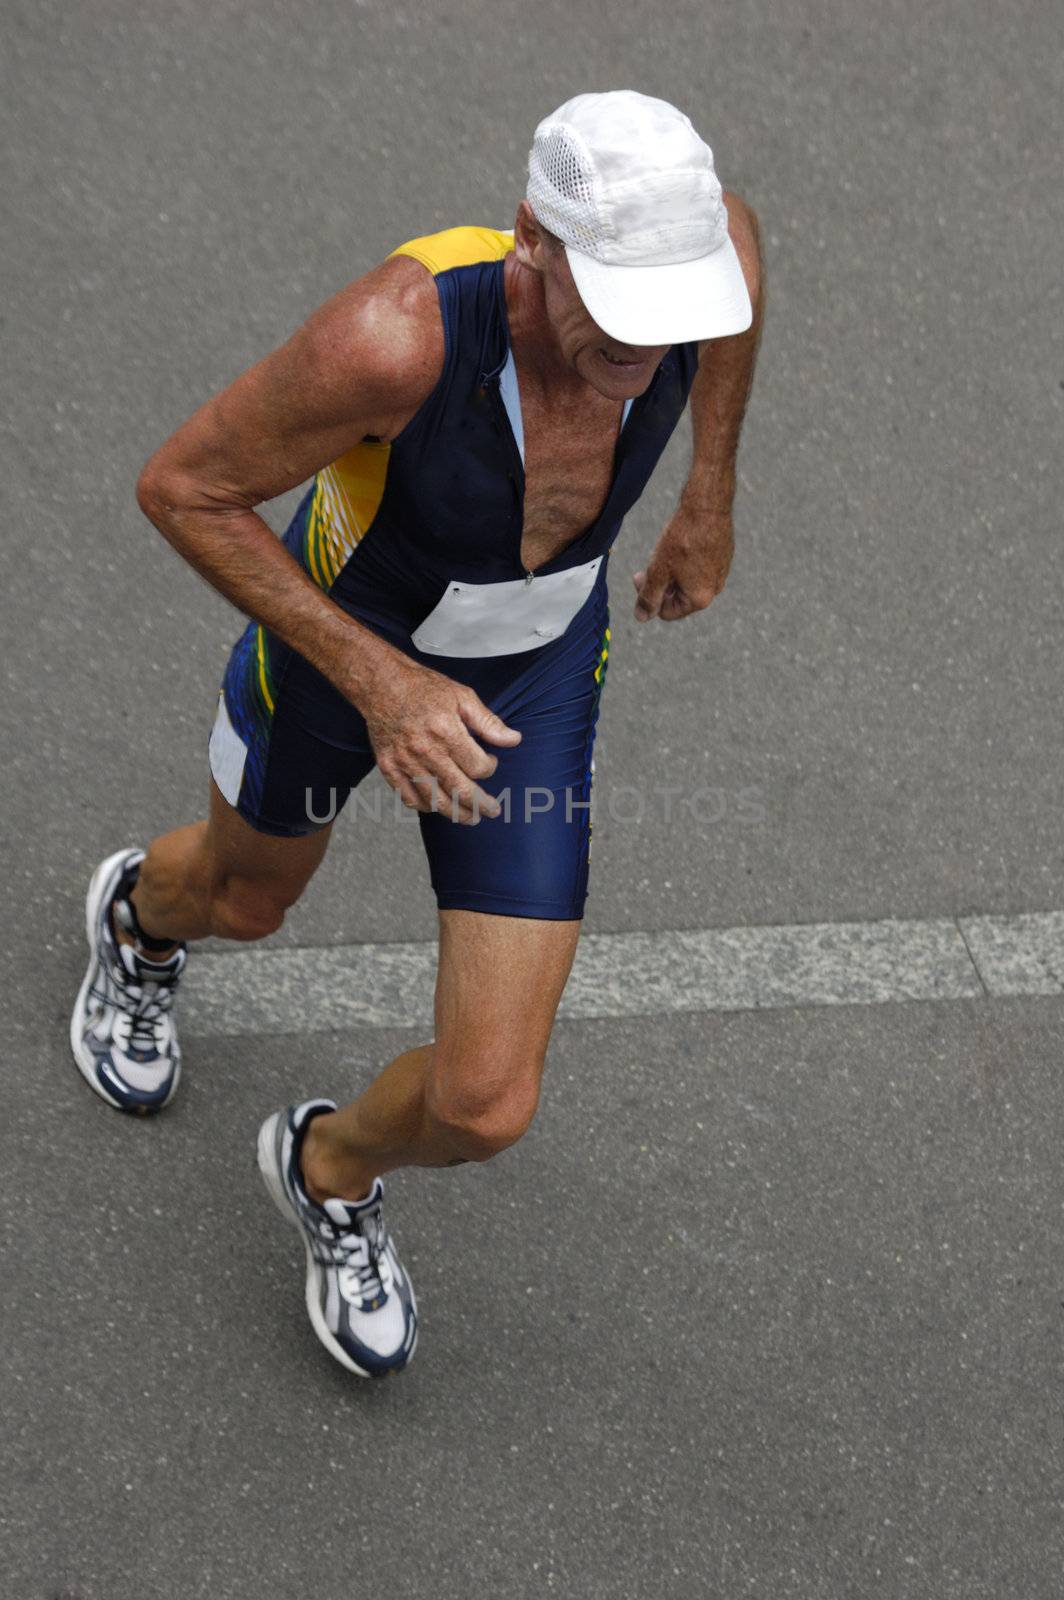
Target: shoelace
[(364, 1268), (145, 1004)]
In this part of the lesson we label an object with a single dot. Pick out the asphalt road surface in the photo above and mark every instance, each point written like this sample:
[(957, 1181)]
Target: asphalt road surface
[(770, 1301)]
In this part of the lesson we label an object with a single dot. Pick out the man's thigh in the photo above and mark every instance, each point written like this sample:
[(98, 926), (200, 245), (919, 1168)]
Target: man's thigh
[(532, 860), (286, 749), (240, 860), (498, 985)]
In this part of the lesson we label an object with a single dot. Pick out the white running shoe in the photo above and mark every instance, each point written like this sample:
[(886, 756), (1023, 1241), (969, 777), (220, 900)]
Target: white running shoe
[(361, 1302), (121, 1031)]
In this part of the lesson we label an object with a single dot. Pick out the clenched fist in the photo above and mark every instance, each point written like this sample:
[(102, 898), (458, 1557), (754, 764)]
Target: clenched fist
[(687, 570)]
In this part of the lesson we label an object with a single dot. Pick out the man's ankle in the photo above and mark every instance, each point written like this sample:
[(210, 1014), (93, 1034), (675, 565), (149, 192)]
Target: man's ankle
[(322, 1176), (146, 946), (160, 957)]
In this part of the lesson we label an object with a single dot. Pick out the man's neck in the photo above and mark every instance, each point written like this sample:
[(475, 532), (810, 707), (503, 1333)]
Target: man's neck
[(532, 339)]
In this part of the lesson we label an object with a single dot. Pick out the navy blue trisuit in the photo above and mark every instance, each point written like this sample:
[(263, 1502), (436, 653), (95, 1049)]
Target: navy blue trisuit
[(419, 539)]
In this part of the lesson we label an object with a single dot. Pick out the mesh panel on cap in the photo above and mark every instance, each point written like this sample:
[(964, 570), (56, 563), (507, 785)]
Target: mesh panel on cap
[(560, 191)]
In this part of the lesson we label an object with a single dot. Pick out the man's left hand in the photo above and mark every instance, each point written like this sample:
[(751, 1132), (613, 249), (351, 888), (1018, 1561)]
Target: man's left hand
[(688, 568)]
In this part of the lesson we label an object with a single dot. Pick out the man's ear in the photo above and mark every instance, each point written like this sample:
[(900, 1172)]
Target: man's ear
[(528, 246)]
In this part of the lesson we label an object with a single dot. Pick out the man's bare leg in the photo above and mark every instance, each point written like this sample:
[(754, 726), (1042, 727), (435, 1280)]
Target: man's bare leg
[(216, 877), (221, 877), (474, 1090)]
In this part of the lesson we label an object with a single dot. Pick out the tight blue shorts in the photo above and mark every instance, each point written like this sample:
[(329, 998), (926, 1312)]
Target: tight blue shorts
[(287, 751)]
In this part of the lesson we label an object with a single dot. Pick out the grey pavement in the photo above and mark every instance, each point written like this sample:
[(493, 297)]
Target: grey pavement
[(769, 1302)]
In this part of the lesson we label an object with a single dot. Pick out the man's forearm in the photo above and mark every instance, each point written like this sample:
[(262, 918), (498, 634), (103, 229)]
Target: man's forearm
[(719, 397), (236, 552)]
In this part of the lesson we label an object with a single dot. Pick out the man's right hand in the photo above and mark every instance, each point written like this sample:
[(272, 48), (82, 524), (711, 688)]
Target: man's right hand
[(421, 725)]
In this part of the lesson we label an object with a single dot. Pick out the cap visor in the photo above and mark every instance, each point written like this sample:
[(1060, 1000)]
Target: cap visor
[(674, 304)]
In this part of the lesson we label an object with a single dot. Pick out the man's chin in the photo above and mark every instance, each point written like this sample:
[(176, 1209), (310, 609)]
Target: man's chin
[(615, 382)]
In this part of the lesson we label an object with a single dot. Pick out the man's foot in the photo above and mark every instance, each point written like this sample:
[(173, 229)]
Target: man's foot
[(121, 1032), (361, 1302)]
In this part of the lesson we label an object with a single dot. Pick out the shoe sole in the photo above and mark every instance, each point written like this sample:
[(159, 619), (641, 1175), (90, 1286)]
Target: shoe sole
[(267, 1163), (83, 1058)]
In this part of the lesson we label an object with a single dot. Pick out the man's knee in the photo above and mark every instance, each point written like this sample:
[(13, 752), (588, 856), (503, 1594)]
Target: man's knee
[(241, 908), (485, 1102)]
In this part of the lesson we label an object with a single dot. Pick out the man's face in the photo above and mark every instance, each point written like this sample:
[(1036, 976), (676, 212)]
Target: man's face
[(583, 344)]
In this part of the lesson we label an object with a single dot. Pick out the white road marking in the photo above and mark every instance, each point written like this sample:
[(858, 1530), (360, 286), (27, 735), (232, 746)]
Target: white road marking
[(642, 974)]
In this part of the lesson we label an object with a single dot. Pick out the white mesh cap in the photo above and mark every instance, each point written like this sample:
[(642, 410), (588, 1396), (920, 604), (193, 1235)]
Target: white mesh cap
[(629, 187)]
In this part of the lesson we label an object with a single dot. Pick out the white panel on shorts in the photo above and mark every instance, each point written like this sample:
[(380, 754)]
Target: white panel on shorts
[(227, 753), (501, 619)]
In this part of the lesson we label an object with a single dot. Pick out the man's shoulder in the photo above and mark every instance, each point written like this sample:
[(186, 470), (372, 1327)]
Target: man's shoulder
[(457, 247), (384, 332), (395, 306)]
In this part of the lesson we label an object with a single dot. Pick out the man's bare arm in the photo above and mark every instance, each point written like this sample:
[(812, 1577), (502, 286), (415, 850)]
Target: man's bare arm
[(367, 356), (692, 558), (360, 365), (723, 381)]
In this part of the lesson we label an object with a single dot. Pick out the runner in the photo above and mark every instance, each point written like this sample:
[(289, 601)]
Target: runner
[(476, 416)]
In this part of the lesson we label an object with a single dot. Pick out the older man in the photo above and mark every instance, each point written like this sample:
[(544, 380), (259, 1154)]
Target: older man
[(476, 416)]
